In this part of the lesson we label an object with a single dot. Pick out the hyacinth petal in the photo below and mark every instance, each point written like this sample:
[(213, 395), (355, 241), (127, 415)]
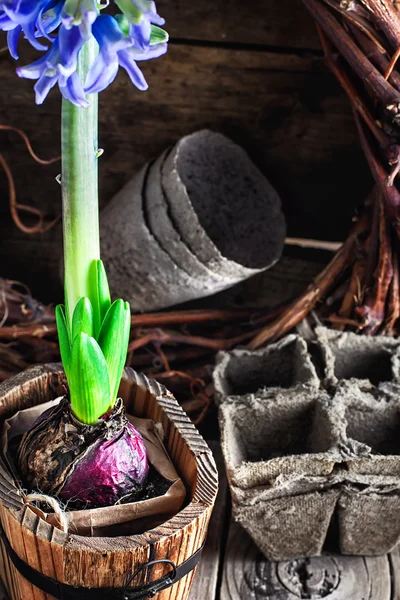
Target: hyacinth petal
[(34, 70), (135, 74), (153, 52), (73, 91), (5, 23), (25, 14), (43, 86), (30, 33), (50, 18), (108, 35), (101, 74), (12, 41), (70, 42), (140, 34)]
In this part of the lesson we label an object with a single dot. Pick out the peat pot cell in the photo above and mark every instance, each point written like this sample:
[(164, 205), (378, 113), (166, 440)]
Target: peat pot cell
[(374, 364), (282, 365), (259, 429), (348, 356), (376, 424)]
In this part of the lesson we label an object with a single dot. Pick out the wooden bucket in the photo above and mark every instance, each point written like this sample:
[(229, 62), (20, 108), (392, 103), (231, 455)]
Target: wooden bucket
[(101, 562)]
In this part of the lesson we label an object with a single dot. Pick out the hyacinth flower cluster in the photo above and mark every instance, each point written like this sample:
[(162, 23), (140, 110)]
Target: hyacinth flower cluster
[(87, 436), (60, 29)]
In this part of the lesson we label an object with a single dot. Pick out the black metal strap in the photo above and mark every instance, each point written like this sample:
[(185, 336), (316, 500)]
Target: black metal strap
[(61, 591)]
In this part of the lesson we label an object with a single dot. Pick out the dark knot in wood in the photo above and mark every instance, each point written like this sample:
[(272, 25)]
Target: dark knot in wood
[(310, 578), (306, 578)]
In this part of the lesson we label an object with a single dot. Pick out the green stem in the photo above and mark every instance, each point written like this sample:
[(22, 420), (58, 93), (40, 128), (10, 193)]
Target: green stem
[(80, 190)]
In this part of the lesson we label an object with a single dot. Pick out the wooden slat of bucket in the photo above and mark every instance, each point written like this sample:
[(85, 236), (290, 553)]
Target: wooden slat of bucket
[(44, 553), (28, 530), (36, 542), (177, 540), (8, 576), (100, 562), (14, 534), (7, 584)]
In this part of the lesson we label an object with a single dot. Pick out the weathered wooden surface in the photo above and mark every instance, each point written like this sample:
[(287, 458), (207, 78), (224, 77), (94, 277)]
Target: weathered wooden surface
[(248, 576), (260, 88), (206, 578), (230, 21)]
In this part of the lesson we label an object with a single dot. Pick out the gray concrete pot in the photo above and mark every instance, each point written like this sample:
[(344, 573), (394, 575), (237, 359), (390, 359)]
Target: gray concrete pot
[(203, 212), (299, 453)]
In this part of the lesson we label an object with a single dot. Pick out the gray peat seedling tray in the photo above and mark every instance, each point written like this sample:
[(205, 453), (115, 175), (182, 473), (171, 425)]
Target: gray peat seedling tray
[(307, 451)]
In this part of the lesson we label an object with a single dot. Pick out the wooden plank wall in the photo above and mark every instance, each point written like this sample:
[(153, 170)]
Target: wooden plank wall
[(253, 71)]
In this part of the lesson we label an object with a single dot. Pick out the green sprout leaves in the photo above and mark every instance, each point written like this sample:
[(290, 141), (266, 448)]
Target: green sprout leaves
[(64, 338), (114, 334), (99, 292), (82, 320), (88, 380), (93, 347)]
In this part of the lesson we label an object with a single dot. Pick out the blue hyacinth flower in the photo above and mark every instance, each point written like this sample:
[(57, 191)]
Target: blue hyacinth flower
[(62, 27), (116, 49), (81, 13), (141, 15), (59, 66), (21, 16)]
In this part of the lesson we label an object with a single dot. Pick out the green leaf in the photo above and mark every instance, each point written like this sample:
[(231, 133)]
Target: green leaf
[(66, 310), (123, 23), (88, 380), (82, 320), (101, 294), (113, 341), (158, 35), (64, 339), (103, 291)]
